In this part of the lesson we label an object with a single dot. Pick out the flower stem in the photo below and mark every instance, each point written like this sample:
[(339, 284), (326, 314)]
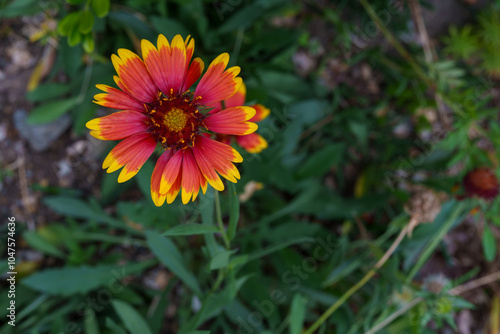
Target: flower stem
[(218, 215), (220, 278), (360, 284), (434, 243)]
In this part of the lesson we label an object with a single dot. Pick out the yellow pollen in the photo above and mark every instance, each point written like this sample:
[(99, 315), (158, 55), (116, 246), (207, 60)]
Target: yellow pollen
[(175, 120)]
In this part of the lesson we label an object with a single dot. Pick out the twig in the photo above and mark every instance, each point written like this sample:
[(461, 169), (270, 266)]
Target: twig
[(25, 194), (416, 11), (362, 228), (360, 284), (315, 127), (399, 48), (458, 290)]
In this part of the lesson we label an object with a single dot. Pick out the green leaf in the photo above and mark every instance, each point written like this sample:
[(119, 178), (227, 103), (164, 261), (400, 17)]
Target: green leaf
[(74, 37), (77, 208), (321, 161), (36, 241), (100, 7), (143, 178), (48, 91), (73, 207), (242, 18), (207, 218), (461, 43), (169, 27), (166, 251), (48, 112), (344, 269), (489, 244), (86, 22), (191, 229), (244, 259), (88, 43), (132, 319), (69, 23), (74, 2), (234, 213), (20, 8), (305, 199), (156, 319), (297, 314), (68, 281), (134, 23), (90, 323), (448, 216), (221, 260), (114, 327)]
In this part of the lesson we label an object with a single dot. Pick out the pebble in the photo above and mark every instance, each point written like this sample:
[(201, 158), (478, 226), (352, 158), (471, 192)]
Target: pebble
[(40, 136)]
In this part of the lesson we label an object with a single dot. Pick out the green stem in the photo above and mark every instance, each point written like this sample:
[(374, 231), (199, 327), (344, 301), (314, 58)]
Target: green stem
[(219, 280), (394, 316), (218, 215), (360, 284)]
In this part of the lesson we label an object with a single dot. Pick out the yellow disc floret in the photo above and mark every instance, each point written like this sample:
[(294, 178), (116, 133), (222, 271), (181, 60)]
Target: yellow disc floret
[(175, 119)]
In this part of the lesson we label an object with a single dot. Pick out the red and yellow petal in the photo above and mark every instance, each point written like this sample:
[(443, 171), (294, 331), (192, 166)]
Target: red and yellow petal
[(171, 172), (132, 153), (193, 73), (218, 84), (158, 198), (118, 125), (174, 190), (168, 64), (189, 43), (252, 143), (192, 178), (232, 121), (214, 156), (154, 64), (177, 64), (261, 112), (238, 99), (134, 75), (116, 99)]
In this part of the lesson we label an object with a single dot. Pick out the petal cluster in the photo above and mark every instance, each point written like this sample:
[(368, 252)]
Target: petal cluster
[(251, 142), (158, 109)]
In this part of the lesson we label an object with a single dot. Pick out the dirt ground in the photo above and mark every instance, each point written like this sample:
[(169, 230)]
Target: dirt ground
[(22, 168)]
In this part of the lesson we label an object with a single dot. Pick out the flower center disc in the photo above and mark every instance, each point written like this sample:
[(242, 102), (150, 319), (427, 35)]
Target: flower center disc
[(175, 120)]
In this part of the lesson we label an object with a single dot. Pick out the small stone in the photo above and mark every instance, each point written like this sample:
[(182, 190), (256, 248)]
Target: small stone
[(402, 130), (96, 147), (157, 279), (3, 131), (40, 136), (304, 62), (19, 55)]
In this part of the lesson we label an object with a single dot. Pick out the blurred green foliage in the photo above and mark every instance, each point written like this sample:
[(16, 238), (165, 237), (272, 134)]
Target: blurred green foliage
[(334, 165)]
